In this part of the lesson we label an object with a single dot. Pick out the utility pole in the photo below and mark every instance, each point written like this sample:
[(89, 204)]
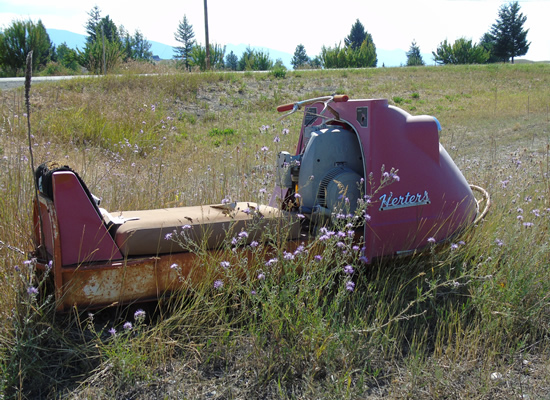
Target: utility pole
[(206, 32)]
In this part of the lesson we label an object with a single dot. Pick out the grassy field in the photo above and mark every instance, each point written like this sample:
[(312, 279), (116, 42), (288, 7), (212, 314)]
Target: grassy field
[(468, 319)]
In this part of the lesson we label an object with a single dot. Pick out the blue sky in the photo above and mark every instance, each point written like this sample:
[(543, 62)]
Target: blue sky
[(284, 24)]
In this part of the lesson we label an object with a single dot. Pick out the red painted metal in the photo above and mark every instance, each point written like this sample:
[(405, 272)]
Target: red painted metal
[(391, 138), (83, 235)]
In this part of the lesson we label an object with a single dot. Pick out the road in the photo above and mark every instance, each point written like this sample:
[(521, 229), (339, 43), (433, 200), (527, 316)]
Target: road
[(12, 83)]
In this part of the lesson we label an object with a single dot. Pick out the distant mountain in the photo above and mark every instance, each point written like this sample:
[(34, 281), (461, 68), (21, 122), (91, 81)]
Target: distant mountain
[(73, 40), (387, 58), (76, 40)]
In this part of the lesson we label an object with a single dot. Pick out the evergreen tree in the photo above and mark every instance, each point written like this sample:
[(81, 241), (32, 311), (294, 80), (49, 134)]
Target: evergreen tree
[(246, 62), (510, 39), (414, 58), (92, 23), (262, 61), (18, 39), (67, 57), (462, 51), (315, 62), (346, 57), (107, 28), (134, 47), (184, 35), (197, 57), (231, 61), (357, 36), (487, 41), (141, 47), (300, 58)]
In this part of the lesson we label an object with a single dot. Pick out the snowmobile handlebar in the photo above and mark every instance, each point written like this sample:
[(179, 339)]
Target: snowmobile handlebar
[(339, 98)]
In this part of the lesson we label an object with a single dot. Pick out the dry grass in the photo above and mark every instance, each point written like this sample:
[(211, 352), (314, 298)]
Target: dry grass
[(466, 323)]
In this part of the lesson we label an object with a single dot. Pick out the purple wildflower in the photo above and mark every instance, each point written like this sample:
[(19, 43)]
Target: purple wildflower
[(254, 244), (32, 290), (139, 315), (348, 269), (225, 264), (431, 240), (127, 326), (350, 286), (271, 262), (261, 276), (299, 250), (112, 331), (218, 284)]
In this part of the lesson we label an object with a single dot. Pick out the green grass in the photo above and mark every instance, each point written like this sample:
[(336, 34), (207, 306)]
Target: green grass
[(435, 325)]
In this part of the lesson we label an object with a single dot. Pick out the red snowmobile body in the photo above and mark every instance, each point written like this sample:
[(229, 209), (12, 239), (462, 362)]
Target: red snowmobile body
[(345, 150)]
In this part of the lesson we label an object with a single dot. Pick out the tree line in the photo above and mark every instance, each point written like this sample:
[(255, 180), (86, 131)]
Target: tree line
[(107, 45)]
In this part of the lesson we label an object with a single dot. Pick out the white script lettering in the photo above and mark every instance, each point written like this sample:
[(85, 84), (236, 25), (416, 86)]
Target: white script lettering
[(389, 202)]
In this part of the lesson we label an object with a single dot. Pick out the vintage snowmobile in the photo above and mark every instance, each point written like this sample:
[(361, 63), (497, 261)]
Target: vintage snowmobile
[(345, 149)]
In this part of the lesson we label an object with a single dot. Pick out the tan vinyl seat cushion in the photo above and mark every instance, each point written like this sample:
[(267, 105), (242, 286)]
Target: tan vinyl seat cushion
[(146, 235)]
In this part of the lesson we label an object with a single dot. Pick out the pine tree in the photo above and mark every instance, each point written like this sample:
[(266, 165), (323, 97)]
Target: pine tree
[(414, 58), (508, 33), (300, 58), (184, 35), (18, 39), (487, 41), (462, 51), (231, 61), (106, 27), (356, 36), (92, 24)]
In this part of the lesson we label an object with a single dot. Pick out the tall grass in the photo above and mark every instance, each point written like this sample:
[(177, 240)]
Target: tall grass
[(465, 319)]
